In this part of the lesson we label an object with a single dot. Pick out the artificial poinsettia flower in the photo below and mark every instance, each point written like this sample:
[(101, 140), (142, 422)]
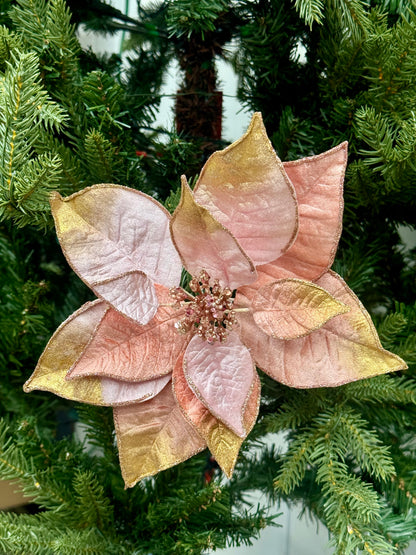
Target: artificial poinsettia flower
[(258, 238)]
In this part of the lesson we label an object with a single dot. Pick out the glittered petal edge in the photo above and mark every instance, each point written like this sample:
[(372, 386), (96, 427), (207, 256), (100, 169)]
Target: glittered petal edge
[(292, 308)]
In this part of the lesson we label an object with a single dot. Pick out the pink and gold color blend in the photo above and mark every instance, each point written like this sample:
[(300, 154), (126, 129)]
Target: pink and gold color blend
[(258, 237)]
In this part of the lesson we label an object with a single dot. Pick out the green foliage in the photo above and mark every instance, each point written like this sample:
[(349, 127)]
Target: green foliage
[(45, 28), (25, 106), (103, 97), (185, 17), (100, 158), (310, 10), (9, 42), (337, 442)]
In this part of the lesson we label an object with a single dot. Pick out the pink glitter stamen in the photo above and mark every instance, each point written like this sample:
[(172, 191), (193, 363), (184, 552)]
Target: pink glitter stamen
[(210, 312)]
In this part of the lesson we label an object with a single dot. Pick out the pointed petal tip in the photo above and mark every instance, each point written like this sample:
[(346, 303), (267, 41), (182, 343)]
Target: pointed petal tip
[(26, 386), (257, 117), (55, 195), (402, 365), (55, 199), (227, 471)]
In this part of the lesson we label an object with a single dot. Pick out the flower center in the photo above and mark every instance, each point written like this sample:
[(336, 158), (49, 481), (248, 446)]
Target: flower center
[(209, 313)]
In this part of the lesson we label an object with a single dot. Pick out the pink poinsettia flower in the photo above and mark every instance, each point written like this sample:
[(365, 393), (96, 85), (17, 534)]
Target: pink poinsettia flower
[(258, 238)]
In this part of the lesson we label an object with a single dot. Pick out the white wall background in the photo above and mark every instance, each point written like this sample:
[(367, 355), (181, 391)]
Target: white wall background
[(294, 536)]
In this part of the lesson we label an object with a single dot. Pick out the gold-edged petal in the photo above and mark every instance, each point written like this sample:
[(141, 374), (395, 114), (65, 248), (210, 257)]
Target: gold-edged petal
[(291, 308), (246, 188), (345, 349), (64, 348), (205, 244)]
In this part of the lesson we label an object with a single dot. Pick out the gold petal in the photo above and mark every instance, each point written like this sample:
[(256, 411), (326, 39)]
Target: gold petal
[(65, 347), (153, 436)]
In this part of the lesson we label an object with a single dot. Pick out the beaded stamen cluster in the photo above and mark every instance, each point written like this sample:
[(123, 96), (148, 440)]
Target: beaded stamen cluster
[(210, 312)]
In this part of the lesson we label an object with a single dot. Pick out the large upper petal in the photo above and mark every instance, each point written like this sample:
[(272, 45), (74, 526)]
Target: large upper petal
[(118, 241), (153, 436), (345, 349), (205, 244), (66, 346), (246, 188), (127, 351), (318, 181), (221, 376)]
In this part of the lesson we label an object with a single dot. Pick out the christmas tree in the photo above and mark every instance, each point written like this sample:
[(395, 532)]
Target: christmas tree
[(320, 73)]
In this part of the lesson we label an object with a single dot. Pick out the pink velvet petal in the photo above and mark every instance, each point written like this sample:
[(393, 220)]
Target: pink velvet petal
[(116, 392), (133, 294), (153, 436), (221, 376), (110, 231), (291, 308), (246, 188), (345, 349), (197, 412), (222, 442), (204, 244), (319, 186), (123, 350)]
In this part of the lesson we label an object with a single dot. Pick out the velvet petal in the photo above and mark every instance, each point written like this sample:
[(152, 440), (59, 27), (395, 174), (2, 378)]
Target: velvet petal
[(345, 349), (117, 392), (123, 350), (223, 443), (153, 436), (133, 294), (246, 188), (204, 244), (291, 308), (63, 349), (110, 235), (221, 376), (318, 181)]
